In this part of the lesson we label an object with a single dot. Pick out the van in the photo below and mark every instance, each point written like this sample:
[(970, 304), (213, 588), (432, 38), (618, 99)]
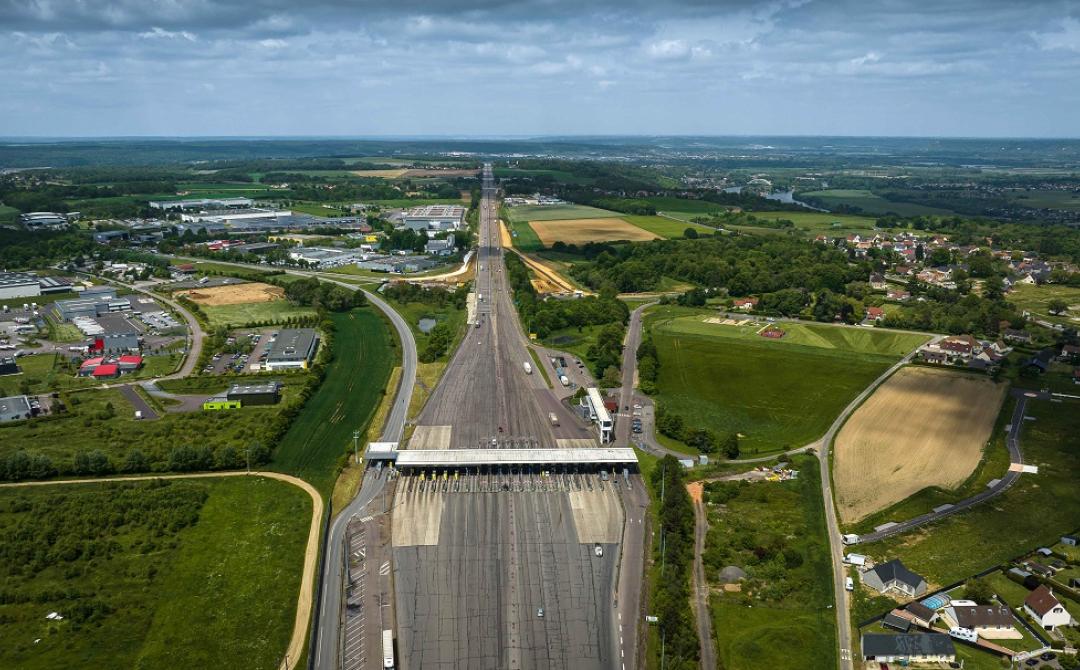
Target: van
[(849, 584)]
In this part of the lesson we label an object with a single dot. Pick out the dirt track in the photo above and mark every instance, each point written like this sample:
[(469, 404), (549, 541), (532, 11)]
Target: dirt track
[(235, 294), (311, 551), (923, 427), (581, 231)]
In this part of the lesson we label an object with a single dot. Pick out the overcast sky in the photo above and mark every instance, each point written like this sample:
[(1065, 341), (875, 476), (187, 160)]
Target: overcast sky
[(537, 67)]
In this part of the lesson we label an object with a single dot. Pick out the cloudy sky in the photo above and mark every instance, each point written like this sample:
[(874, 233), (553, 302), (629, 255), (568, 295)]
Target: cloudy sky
[(535, 67)]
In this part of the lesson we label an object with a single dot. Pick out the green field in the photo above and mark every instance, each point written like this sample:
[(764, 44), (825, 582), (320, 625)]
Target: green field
[(872, 204), (557, 212), (665, 227), (364, 354), (274, 311), (776, 533), (777, 394), (414, 311), (1035, 298), (178, 574), (1034, 512), (8, 214), (1047, 199)]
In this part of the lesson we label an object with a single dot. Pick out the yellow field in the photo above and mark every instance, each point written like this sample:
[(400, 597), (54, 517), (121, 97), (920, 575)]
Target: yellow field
[(923, 427), (236, 294), (385, 174), (580, 231)]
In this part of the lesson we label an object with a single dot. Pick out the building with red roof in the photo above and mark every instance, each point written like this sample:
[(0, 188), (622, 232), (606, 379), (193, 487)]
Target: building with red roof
[(89, 365), (130, 362), (107, 371)]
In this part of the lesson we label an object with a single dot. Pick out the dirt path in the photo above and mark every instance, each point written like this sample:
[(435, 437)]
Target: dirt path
[(700, 600), (311, 551)]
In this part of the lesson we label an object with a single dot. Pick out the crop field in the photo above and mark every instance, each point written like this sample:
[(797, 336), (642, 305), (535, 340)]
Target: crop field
[(234, 294), (1033, 512), (922, 428), (526, 213), (1036, 299), (872, 204), (1047, 199), (582, 231), (776, 533), (776, 394), (275, 311), (384, 174), (364, 354), (666, 227), (139, 574)]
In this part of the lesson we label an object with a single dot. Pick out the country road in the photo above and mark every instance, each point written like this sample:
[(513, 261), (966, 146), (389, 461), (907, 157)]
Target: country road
[(311, 549)]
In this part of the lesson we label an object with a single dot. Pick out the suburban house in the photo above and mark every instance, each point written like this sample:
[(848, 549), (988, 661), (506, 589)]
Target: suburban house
[(911, 647), (921, 615), (1070, 540), (1046, 609), (993, 622), (1014, 335), (745, 304), (893, 576), (877, 282), (875, 313), (964, 349), (898, 294)]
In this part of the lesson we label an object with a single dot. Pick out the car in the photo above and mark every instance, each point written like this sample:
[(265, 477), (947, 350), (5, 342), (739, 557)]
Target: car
[(1048, 656), (637, 406), (540, 612), (598, 551), (1031, 662)]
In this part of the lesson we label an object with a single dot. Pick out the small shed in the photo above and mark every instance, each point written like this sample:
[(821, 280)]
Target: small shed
[(732, 574)]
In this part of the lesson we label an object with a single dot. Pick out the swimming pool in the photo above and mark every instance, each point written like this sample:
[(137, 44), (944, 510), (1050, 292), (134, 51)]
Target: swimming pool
[(938, 601)]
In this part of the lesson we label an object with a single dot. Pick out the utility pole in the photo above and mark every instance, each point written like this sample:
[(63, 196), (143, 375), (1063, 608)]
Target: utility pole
[(355, 446)]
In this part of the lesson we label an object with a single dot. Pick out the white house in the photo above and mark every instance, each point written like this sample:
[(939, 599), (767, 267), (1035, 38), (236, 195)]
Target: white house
[(1046, 609)]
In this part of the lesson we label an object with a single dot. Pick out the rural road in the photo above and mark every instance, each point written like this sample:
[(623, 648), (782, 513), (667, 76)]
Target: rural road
[(311, 550), (701, 588)]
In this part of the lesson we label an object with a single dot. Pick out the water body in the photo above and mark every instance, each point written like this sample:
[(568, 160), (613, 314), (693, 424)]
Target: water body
[(779, 196), (426, 324)]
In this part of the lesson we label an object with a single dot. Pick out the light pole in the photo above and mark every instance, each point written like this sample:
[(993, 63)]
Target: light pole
[(355, 446)]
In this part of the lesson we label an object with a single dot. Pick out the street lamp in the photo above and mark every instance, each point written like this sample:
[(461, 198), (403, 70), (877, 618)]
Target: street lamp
[(355, 447)]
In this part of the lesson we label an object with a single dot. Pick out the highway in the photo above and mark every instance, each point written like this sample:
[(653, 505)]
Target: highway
[(506, 568)]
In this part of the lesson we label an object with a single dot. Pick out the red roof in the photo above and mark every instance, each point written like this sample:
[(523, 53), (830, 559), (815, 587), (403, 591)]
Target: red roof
[(109, 370), (874, 312), (131, 359), (91, 362)]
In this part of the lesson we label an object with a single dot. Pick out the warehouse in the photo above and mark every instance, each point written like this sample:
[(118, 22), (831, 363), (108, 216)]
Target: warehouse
[(255, 394), (18, 285), (15, 408), (293, 348), (217, 203), (434, 218), (44, 221), (50, 285)]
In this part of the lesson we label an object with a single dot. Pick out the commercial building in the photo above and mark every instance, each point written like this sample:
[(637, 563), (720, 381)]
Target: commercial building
[(440, 247), (229, 216), (44, 221), (434, 218), (294, 348), (95, 304), (216, 203), (15, 408), (268, 393), (323, 257), (19, 285), (115, 343)]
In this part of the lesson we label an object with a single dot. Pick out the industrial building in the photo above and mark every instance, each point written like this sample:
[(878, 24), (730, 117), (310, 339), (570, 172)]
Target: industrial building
[(50, 285), (294, 348), (95, 304), (44, 221), (8, 366), (434, 218), (19, 285), (228, 216), (268, 393), (14, 408), (322, 257), (205, 203), (440, 247)]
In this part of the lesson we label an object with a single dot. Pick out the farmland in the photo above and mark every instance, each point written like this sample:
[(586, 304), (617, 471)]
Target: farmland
[(922, 428), (138, 572), (776, 533), (275, 311), (582, 231), (524, 213), (1033, 512), (364, 354), (776, 394), (870, 203), (666, 226)]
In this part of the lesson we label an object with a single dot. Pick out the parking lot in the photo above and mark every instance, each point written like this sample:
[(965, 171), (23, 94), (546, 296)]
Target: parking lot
[(244, 351)]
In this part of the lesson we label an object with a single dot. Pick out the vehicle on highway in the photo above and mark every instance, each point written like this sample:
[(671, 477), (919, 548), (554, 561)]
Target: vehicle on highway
[(554, 418), (528, 367), (849, 584), (598, 550), (564, 380), (540, 612), (388, 649)]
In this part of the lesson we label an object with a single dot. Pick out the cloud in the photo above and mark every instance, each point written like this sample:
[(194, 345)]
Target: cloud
[(1067, 38), (157, 33), (668, 50)]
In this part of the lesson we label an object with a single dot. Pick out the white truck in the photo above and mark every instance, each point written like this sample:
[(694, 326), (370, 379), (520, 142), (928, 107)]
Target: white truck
[(564, 380), (388, 649), (553, 418), (528, 367)]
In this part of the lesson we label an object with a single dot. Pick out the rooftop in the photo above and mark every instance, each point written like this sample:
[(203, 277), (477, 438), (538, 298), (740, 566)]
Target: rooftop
[(17, 279), (914, 644), (420, 458), (255, 389), (14, 406), (292, 344), (437, 211)]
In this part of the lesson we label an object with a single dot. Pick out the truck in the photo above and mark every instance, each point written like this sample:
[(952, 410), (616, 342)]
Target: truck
[(528, 367), (554, 418), (564, 380), (388, 649), (850, 539)]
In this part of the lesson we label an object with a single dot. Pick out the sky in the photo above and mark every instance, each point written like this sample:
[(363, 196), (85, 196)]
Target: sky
[(969, 68)]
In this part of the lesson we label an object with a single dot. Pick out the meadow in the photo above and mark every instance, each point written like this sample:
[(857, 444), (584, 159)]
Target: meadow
[(1033, 512), (138, 572), (1035, 299), (274, 311), (667, 227), (355, 382), (776, 394), (871, 204), (776, 533), (555, 212)]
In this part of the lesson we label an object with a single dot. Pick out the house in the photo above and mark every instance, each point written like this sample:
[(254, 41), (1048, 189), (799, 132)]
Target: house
[(921, 615), (1070, 540), (745, 304), (877, 282), (875, 313), (993, 622), (894, 576), (898, 295), (896, 622), (1013, 335), (1070, 352), (909, 647), (1046, 609)]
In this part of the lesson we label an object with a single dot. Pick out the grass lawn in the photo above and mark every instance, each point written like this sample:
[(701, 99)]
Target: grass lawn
[(275, 311), (1047, 199), (766, 529), (665, 227), (821, 222), (8, 214), (1035, 511), (52, 372), (1034, 299), (573, 340), (871, 204), (139, 573), (364, 353), (777, 394), (524, 237), (412, 312)]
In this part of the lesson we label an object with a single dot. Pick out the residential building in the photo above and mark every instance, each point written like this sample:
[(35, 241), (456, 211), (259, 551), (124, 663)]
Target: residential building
[(895, 577), (293, 348), (875, 313), (993, 622), (1046, 609), (921, 615), (745, 304), (877, 282), (909, 648)]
